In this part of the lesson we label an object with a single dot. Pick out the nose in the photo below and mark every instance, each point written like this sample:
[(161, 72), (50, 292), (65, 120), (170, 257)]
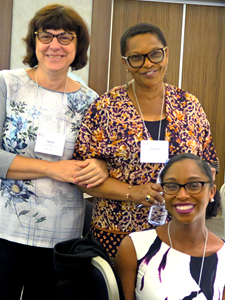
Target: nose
[(54, 43), (147, 63), (182, 194)]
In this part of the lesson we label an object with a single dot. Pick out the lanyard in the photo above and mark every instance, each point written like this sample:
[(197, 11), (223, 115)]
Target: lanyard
[(160, 123)]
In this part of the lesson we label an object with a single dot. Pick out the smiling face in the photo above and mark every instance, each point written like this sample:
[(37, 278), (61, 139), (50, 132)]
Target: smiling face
[(186, 207), (54, 56), (149, 74)]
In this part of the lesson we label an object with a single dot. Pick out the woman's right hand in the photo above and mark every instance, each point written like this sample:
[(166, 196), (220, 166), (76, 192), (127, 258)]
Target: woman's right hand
[(138, 194), (25, 168), (63, 170)]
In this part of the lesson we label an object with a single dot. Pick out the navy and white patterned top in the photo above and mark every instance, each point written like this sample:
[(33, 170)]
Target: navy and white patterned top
[(167, 274), (39, 212)]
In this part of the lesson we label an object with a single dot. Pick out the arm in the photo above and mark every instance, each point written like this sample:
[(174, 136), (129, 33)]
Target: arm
[(6, 158), (208, 152), (23, 168), (30, 168), (117, 190), (126, 267), (64, 170), (223, 294)]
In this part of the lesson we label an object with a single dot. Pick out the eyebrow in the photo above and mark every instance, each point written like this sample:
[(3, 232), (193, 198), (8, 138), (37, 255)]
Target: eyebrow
[(138, 53), (190, 178)]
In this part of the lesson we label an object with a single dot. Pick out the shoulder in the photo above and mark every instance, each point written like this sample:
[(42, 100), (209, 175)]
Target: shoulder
[(180, 94), (181, 100), (115, 93), (142, 241), (114, 98), (88, 91), (14, 76), (15, 72), (2, 83), (84, 96)]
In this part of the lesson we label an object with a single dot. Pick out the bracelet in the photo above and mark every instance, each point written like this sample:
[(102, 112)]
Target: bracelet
[(129, 189)]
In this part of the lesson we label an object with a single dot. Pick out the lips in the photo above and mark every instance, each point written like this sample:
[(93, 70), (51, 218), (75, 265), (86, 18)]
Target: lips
[(185, 208), (149, 73)]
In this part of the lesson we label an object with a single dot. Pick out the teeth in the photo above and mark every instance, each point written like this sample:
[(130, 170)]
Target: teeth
[(54, 56), (185, 207)]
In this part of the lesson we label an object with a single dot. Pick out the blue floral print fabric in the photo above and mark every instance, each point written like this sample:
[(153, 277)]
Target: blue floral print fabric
[(40, 212)]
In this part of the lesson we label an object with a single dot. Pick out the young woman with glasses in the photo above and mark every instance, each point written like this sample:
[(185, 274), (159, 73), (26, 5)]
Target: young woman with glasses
[(41, 109), (135, 128), (180, 259)]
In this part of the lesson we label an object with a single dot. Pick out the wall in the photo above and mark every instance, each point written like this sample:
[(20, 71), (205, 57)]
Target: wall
[(24, 10), (5, 32)]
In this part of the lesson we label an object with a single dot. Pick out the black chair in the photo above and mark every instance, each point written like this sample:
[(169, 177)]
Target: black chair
[(88, 215)]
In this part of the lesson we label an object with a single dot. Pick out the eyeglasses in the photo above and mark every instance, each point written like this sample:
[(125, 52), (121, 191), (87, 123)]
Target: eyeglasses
[(64, 38), (172, 188), (138, 60)]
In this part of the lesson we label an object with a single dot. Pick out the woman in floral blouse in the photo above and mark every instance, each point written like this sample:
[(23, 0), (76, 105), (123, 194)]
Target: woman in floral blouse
[(135, 128), (40, 113)]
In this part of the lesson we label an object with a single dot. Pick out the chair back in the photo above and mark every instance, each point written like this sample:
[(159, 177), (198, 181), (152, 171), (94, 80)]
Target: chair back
[(222, 195), (104, 279)]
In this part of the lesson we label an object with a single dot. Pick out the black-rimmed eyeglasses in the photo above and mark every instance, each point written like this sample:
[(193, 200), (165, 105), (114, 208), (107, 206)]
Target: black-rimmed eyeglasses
[(138, 60), (64, 38), (172, 188)]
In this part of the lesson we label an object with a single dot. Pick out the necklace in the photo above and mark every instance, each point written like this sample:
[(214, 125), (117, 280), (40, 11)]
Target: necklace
[(203, 258), (160, 123)]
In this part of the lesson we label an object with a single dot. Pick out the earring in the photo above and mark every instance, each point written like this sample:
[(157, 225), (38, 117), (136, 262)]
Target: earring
[(212, 200), (165, 77), (127, 83)]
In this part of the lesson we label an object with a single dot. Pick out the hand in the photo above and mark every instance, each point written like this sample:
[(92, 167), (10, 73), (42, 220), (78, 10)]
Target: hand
[(63, 170), (138, 194), (93, 172)]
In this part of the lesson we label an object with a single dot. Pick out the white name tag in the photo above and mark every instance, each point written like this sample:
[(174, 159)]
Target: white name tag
[(154, 151), (50, 143)]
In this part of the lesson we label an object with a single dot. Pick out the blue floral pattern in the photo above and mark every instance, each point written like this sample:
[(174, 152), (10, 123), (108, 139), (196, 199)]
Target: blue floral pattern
[(15, 192), (41, 212)]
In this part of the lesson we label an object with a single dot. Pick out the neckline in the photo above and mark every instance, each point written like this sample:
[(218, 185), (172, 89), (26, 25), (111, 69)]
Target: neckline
[(172, 249), (163, 120), (40, 86)]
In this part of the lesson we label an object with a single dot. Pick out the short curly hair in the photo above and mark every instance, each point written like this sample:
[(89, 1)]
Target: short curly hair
[(141, 28), (57, 17)]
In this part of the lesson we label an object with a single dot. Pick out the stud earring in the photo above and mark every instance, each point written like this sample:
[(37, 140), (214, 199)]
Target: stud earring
[(212, 200)]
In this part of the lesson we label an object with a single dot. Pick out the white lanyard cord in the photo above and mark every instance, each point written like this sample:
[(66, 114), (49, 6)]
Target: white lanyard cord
[(203, 258), (160, 122)]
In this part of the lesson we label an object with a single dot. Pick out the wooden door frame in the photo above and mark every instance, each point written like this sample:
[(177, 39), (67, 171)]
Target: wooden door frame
[(6, 12)]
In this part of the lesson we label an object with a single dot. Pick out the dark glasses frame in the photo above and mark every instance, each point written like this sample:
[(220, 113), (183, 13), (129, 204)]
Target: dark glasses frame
[(144, 57), (55, 35), (163, 184)]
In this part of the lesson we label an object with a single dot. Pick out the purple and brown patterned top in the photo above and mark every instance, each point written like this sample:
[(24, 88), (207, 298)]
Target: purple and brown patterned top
[(112, 130)]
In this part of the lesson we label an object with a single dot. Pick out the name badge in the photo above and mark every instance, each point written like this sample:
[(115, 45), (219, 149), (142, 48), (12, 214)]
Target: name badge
[(154, 151), (50, 143)]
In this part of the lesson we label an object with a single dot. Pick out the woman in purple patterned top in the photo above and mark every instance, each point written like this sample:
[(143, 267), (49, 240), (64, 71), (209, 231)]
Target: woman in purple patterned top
[(127, 122)]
